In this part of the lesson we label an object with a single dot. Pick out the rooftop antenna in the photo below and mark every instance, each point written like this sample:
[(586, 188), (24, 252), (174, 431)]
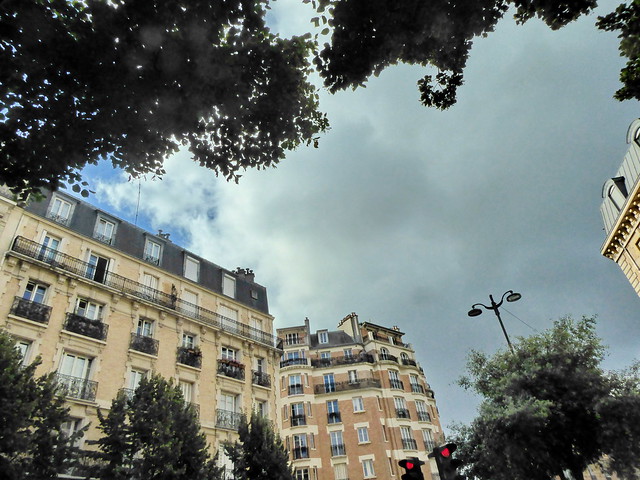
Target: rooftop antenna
[(138, 205)]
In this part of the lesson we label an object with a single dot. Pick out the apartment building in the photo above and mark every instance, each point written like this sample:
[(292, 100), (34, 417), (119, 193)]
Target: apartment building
[(105, 303), (353, 402), (620, 211)]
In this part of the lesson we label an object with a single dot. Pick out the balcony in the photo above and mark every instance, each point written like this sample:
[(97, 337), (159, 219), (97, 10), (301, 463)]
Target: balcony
[(397, 384), (125, 286), (386, 357), (350, 385), (338, 450), (144, 344), (31, 310), (260, 378), (227, 419), (108, 239), (230, 368), (408, 361), (390, 340), (342, 360), (415, 388), (403, 413), (86, 327), (298, 420), (76, 387), (296, 389), (190, 356), (334, 417), (300, 452), (424, 417), (293, 361), (409, 444)]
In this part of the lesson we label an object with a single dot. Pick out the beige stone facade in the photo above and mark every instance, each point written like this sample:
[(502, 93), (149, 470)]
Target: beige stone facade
[(103, 303), (621, 211), (354, 402)]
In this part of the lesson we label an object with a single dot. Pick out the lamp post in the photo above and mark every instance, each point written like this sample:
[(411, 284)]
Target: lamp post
[(511, 297)]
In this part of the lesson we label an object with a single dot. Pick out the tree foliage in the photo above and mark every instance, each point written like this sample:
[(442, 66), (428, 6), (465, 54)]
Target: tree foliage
[(32, 443), (549, 407), (134, 80), (154, 435), (259, 454)]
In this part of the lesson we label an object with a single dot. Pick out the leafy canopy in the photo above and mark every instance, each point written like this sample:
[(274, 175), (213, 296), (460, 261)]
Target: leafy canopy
[(549, 407)]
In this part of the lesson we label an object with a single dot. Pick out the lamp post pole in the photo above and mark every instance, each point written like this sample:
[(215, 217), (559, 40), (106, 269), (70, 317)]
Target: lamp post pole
[(511, 297)]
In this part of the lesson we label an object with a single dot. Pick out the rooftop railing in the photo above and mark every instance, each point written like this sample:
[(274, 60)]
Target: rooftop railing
[(342, 360), (127, 286)]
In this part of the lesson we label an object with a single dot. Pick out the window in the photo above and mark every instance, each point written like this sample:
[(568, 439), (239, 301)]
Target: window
[(297, 414), (340, 471), (329, 383), (190, 303), (135, 377), (60, 210), (97, 268), (152, 252), (367, 468), (353, 376), (333, 412), (262, 407), (49, 248), (394, 380), (295, 385), (401, 407), (70, 427), (104, 231), (302, 474), (88, 309), (408, 443), (428, 440), (348, 353), (187, 391), (292, 339), (188, 340), (300, 449), (229, 353), (358, 404), (35, 292), (228, 318), (150, 283), (191, 268), (363, 435), (229, 286), (145, 327), (24, 348), (323, 336), (229, 402), (256, 324), (337, 444), (325, 355), (384, 354), (423, 414), (76, 366)]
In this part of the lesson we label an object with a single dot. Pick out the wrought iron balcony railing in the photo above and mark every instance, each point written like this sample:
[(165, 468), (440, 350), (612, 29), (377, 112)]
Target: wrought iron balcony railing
[(300, 452), (424, 417), (86, 326), (334, 417), (126, 286), (190, 356), (409, 444), (408, 361), (415, 388), (260, 378), (385, 357), (397, 384), (342, 360), (230, 368), (350, 385), (144, 344), (76, 387), (296, 389), (402, 413), (298, 420), (227, 419), (294, 361), (31, 310), (338, 450)]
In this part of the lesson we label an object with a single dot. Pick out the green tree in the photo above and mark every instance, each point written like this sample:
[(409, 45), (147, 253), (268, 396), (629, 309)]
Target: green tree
[(32, 443), (154, 435), (134, 80), (549, 407), (259, 454)]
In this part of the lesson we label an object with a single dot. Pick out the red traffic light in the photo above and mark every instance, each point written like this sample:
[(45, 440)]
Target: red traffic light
[(409, 465)]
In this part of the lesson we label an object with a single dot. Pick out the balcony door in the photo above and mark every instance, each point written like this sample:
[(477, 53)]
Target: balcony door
[(75, 366), (97, 268)]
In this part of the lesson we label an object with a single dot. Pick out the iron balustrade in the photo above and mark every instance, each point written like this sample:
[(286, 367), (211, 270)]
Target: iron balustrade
[(342, 360), (387, 357), (391, 342), (293, 361), (31, 310), (124, 285), (230, 368), (76, 387), (429, 445), (190, 356), (338, 450), (296, 389), (409, 444), (227, 419), (424, 417), (86, 326), (408, 361), (415, 388), (261, 378), (402, 413), (334, 417), (144, 344), (397, 384), (350, 385), (103, 238), (298, 420), (300, 452)]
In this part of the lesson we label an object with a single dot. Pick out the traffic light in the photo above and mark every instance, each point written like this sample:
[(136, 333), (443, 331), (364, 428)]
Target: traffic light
[(412, 467), (447, 465)]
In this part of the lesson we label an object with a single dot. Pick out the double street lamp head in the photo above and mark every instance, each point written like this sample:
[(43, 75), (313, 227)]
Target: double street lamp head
[(511, 297)]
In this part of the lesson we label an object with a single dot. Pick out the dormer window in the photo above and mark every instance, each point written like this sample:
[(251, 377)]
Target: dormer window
[(152, 252), (323, 336), (105, 230), (60, 210), (191, 268), (229, 286)]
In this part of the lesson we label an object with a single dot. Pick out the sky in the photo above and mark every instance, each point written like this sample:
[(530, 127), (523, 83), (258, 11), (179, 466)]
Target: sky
[(408, 215)]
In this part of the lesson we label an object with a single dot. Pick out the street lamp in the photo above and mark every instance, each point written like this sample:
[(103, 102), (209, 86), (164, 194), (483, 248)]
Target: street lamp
[(511, 297)]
